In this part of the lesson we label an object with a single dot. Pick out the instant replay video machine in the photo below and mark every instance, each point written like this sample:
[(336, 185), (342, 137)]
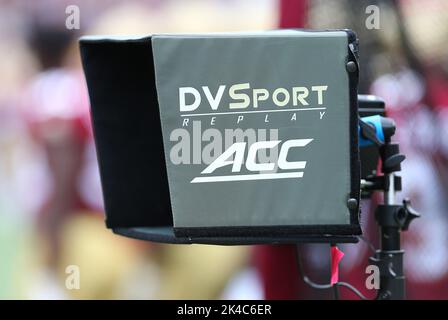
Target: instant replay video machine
[(243, 138)]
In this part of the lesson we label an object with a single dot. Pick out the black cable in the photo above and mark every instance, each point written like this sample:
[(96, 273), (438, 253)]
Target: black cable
[(369, 243), (319, 286), (353, 289), (336, 291)]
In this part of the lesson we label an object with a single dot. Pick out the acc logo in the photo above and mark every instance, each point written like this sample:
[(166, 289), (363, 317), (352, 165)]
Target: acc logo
[(237, 152)]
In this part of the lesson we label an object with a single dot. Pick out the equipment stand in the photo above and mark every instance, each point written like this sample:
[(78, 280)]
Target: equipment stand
[(391, 218)]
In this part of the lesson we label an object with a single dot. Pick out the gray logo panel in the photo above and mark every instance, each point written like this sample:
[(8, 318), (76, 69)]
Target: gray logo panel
[(286, 95)]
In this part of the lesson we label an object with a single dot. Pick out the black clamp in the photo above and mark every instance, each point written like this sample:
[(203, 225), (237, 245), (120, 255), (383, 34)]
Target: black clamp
[(396, 216)]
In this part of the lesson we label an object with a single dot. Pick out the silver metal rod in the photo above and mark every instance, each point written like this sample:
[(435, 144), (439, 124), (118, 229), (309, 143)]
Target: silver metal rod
[(389, 195)]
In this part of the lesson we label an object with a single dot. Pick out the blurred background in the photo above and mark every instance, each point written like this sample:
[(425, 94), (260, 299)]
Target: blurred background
[(51, 215)]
